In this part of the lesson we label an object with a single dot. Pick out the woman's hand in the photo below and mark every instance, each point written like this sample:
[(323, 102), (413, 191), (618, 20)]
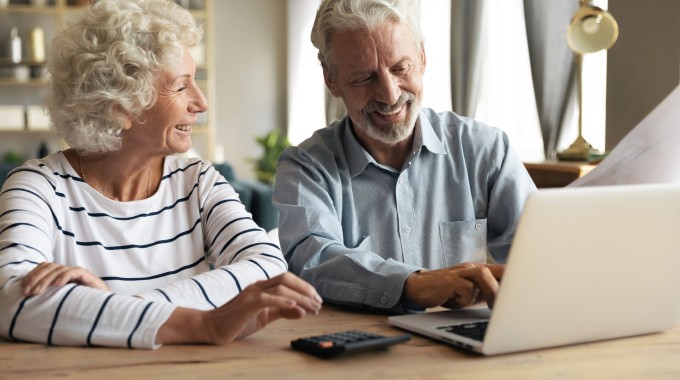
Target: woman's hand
[(284, 296), (48, 274)]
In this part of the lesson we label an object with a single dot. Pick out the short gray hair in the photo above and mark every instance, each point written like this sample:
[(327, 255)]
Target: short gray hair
[(102, 69), (351, 15)]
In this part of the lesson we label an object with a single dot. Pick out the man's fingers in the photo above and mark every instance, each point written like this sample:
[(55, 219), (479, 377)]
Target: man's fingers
[(485, 280), (497, 270)]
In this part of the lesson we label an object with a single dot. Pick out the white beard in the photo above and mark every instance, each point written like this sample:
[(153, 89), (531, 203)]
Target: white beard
[(395, 132)]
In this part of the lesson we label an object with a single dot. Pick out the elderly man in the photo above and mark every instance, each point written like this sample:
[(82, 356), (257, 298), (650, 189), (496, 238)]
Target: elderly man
[(395, 207)]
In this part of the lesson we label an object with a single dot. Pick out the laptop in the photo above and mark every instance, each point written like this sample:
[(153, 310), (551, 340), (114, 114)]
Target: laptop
[(586, 264)]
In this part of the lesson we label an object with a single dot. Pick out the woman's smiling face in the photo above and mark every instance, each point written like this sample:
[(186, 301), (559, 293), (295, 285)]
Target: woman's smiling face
[(167, 125)]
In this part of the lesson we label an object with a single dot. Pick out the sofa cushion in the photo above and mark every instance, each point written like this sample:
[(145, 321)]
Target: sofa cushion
[(255, 196)]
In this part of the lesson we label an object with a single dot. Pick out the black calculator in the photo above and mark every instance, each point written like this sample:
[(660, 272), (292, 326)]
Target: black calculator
[(329, 345)]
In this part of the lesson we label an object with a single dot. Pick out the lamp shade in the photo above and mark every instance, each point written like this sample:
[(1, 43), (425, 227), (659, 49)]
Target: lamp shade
[(591, 30)]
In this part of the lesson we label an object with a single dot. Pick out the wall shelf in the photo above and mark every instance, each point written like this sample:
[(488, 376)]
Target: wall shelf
[(30, 93)]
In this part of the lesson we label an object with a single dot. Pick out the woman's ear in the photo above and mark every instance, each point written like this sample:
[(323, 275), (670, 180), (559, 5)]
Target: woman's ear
[(125, 119), (127, 124)]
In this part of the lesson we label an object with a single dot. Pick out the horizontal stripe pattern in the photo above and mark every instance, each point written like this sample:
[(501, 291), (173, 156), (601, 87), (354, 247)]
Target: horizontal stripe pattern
[(160, 249)]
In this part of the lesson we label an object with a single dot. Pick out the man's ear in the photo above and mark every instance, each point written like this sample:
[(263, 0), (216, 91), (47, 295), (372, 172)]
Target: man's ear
[(332, 88), (423, 59)]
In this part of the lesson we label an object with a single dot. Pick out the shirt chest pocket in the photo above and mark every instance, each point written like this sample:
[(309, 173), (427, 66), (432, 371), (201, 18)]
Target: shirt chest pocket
[(463, 241)]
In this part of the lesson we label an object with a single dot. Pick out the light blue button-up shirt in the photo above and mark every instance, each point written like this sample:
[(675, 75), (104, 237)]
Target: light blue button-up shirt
[(356, 229)]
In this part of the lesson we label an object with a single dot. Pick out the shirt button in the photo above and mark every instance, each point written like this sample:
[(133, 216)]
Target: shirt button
[(478, 226), (407, 229), (401, 179)]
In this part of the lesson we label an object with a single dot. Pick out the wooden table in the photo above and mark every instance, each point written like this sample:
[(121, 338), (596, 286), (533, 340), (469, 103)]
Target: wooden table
[(267, 355), (557, 173)]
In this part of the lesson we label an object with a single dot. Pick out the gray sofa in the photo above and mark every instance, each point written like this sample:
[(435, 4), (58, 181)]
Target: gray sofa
[(255, 196)]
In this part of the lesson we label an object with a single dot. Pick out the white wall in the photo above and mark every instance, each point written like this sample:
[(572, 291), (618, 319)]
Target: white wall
[(250, 76)]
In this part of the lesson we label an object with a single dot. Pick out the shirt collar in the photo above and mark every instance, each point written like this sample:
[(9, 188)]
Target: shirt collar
[(358, 158), (430, 139)]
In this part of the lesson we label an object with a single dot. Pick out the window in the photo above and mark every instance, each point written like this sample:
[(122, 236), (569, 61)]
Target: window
[(306, 89), (436, 29), (506, 95)]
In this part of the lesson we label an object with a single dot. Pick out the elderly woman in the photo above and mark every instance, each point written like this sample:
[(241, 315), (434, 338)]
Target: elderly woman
[(116, 242)]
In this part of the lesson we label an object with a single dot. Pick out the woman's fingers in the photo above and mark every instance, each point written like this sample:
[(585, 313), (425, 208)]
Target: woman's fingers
[(49, 274), (292, 288), (38, 279), (284, 296)]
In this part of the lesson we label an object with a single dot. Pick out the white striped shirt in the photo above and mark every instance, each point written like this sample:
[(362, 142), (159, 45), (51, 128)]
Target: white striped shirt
[(191, 244)]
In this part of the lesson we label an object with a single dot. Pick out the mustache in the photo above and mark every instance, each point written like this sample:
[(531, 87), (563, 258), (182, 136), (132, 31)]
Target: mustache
[(385, 108)]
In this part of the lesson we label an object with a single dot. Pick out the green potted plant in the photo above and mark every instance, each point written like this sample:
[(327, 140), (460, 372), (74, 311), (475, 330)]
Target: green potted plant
[(273, 144), (13, 158)]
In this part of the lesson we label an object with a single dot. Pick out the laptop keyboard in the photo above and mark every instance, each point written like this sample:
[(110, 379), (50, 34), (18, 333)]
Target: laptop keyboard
[(474, 330)]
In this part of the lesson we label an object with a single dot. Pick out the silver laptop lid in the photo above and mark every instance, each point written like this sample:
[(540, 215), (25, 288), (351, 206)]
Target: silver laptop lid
[(587, 264)]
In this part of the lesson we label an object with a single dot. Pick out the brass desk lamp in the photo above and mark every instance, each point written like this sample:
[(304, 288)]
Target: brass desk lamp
[(591, 29)]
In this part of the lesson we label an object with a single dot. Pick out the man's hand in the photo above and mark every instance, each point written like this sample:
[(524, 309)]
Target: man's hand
[(284, 296), (454, 287), (48, 274)]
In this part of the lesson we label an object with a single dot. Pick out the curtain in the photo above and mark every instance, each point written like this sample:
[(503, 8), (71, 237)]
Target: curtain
[(552, 64), (467, 38)]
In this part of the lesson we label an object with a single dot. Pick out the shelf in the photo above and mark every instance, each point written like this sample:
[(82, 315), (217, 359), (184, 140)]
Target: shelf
[(26, 62), (27, 8), (24, 132), (11, 82), (52, 18), (74, 9)]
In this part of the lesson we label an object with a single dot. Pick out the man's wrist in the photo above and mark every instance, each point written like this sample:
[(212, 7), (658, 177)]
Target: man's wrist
[(406, 301), (411, 308)]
